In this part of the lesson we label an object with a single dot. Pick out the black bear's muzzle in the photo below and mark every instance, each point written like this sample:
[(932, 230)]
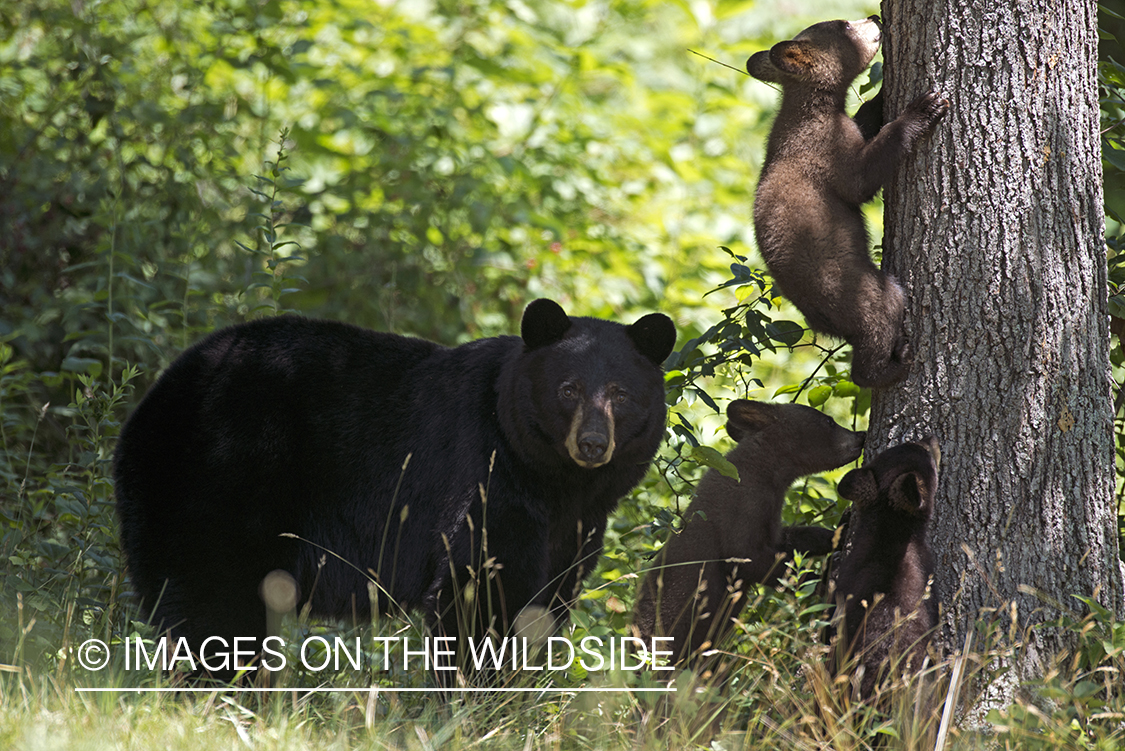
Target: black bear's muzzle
[(590, 440), (592, 447)]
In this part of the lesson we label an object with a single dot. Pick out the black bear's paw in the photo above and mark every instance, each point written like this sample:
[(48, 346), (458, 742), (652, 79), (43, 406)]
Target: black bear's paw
[(902, 352), (807, 540), (929, 108)]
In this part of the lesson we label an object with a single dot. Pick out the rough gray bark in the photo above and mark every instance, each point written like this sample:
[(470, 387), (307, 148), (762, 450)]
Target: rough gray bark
[(995, 229)]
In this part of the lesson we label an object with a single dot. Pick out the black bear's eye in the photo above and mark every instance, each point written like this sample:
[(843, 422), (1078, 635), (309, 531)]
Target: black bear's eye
[(569, 392), (620, 397)]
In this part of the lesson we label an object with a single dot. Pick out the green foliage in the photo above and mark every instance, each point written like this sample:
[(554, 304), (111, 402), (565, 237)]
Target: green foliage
[(729, 359), (60, 541), (274, 278), (1083, 686), (1111, 80)]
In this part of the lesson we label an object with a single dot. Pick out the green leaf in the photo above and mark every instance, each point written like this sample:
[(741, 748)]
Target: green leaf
[(818, 395), (1115, 157), (874, 78), (786, 332), (87, 365), (710, 457), (1117, 306), (727, 8), (707, 399)]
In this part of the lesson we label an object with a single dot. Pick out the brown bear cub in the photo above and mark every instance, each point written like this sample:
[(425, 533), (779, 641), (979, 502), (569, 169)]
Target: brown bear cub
[(733, 538), (820, 166), (883, 584)]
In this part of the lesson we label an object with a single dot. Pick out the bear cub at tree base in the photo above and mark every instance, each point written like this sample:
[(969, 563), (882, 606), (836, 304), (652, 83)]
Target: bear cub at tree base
[(382, 449), (883, 583), (820, 166), (694, 591)]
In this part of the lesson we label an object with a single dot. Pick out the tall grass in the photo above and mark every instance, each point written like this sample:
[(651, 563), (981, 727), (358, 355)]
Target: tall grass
[(775, 693)]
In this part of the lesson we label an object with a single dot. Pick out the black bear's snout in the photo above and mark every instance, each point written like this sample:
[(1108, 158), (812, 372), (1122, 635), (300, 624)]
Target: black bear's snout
[(592, 446), (931, 444), (853, 443), (590, 442)]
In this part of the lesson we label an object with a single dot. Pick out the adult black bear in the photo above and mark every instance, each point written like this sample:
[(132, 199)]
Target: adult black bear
[(733, 537), (820, 166), (289, 425), (883, 581)]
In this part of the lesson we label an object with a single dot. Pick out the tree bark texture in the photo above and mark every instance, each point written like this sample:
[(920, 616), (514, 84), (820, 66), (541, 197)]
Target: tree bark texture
[(995, 229)]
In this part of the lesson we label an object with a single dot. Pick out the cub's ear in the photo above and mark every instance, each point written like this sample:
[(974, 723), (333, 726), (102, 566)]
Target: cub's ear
[(859, 486), (760, 67), (792, 58), (745, 417), (908, 492), (544, 322), (654, 336)]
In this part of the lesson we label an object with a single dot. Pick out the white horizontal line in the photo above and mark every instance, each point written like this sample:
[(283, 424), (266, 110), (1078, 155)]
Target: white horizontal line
[(379, 689)]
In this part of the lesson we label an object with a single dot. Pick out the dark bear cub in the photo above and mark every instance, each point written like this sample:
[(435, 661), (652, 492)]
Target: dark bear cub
[(415, 464), (820, 166), (883, 583), (733, 537)]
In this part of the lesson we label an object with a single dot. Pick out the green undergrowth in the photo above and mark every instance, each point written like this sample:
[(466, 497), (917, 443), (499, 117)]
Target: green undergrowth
[(775, 693)]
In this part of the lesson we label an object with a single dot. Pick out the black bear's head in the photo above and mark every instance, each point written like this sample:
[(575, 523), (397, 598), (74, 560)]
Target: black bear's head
[(827, 55), (806, 440), (587, 390), (545, 322), (904, 476)]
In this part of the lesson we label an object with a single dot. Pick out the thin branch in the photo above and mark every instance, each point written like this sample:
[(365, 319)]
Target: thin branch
[(720, 62)]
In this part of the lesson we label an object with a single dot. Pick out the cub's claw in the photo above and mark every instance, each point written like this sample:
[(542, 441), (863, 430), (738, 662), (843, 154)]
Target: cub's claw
[(932, 106)]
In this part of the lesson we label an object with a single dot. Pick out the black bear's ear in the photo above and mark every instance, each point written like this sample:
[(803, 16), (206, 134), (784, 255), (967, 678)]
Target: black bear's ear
[(908, 493), (760, 67), (745, 417), (858, 486), (654, 336), (794, 58), (544, 322)]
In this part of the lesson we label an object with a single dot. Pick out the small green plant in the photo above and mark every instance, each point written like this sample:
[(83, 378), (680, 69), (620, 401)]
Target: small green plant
[(280, 256), (62, 552), (1080, 701)]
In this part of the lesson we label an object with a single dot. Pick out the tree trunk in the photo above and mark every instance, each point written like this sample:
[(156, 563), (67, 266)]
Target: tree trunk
[(995, 229)]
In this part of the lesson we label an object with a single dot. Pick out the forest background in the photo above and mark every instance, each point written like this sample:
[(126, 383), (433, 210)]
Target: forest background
[(426, 168)]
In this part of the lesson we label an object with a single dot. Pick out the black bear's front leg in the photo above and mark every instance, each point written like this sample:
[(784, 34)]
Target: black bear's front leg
[(511, 564), (882, 154), (576, 546), (807, 540)]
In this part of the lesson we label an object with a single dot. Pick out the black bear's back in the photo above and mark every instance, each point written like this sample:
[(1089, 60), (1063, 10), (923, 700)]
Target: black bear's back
[(253, 432)]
